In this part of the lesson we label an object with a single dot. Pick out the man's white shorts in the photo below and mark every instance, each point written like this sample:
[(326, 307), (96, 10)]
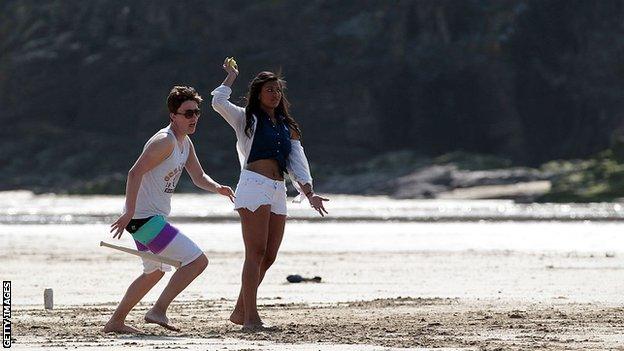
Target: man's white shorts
[(181, 248)]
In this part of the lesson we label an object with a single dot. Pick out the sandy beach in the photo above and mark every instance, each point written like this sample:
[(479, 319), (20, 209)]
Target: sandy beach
[(476, 285), (382, 324), (466, 300)]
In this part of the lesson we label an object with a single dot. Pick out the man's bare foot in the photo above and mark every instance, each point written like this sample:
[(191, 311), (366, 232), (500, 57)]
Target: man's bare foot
[(120, 327), (159, 318), (237, 317)]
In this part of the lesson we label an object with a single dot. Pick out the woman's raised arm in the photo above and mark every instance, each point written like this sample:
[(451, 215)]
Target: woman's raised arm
[(233, 114)]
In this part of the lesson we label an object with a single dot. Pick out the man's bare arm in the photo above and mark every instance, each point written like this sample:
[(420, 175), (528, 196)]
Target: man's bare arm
[(155, 153), (201, 179)]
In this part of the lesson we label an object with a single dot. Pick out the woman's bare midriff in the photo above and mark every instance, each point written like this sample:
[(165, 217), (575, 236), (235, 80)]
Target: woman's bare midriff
[(267, 167)]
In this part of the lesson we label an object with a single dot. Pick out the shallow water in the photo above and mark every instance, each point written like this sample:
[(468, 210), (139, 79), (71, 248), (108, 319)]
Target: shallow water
[(25, 207), (53, 241)]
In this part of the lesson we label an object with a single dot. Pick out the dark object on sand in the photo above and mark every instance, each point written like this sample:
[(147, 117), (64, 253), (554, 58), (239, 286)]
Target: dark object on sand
[(296, 278)]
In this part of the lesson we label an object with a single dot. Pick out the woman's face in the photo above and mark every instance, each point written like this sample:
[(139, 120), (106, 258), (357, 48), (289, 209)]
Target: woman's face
[(270, 95)]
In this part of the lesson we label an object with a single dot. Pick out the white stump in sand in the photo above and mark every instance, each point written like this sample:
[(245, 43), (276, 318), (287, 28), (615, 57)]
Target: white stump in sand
[(48, 299)]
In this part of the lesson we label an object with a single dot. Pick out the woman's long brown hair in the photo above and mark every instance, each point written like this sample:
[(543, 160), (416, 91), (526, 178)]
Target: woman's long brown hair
[(253, 101)]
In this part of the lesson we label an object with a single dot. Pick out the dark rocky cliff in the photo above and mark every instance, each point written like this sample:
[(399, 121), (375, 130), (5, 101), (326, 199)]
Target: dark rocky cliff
[(82, 84)]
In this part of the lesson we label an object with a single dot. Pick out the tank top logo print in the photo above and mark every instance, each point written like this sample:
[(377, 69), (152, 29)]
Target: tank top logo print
[(171, 179)]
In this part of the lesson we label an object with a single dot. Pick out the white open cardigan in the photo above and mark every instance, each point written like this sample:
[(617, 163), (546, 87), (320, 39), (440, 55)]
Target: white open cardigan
[(296, 164)]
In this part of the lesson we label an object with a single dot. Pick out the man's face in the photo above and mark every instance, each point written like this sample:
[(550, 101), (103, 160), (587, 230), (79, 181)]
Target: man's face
[(186, 117)]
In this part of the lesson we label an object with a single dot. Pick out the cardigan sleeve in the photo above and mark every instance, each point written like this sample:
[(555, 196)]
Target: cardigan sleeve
[(298, 168), (233, 114)]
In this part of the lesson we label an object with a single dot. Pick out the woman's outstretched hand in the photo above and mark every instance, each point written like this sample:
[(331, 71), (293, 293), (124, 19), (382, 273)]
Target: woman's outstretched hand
[(317, 203)]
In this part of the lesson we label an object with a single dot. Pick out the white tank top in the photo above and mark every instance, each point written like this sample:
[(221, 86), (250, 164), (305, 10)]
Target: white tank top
[(158, 184)]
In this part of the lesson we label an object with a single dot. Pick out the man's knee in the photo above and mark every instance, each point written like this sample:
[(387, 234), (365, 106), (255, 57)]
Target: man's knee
[(155, 275), (201, 263)]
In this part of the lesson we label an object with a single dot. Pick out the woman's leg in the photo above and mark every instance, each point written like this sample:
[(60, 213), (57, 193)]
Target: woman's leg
[(274, 240), (255, 226), (276, 233)]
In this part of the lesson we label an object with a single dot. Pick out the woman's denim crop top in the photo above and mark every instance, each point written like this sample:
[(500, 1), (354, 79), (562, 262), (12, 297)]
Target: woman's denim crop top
[(271, 141)]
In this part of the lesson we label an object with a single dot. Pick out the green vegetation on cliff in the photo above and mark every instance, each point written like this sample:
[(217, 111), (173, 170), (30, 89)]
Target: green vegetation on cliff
[(596, 179)]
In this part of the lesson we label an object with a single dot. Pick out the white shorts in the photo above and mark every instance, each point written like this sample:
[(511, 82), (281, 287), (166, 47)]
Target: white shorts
[(181, 248), (254, 190)]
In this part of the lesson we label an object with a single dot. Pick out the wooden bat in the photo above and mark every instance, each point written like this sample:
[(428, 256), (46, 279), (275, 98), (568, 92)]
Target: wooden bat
[(147, 255)]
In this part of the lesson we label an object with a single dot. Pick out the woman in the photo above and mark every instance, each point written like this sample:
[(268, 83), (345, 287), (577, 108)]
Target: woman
[(268, 145)]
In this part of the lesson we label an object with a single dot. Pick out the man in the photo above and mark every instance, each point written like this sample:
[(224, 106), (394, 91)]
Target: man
[(151, 182)]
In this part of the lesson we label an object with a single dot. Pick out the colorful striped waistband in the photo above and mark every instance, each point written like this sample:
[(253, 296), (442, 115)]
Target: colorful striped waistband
[(154, 235)]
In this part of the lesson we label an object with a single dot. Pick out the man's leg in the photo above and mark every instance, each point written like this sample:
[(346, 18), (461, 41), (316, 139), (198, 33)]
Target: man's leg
[(179, 281), (136, 291)]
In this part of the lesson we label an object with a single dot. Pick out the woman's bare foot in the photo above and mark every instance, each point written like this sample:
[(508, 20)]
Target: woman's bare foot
[(258, 326), (120, 327), (159, 318), (237, 317)]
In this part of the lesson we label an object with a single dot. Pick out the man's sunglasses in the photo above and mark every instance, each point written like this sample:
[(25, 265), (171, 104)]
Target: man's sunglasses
[(188, 114)]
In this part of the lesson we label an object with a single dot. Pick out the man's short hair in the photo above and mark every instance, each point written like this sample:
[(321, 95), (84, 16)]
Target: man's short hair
[(179, 94)]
